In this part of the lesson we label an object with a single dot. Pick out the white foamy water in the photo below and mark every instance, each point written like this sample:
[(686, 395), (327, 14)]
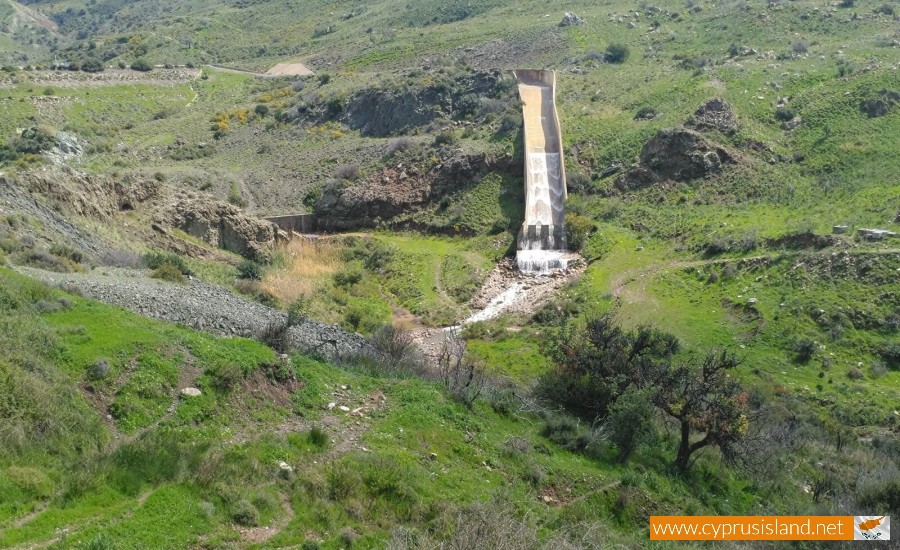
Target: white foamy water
[(497, 305), (542, 262)]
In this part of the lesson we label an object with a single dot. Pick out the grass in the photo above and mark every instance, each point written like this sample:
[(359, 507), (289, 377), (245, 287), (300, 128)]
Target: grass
[(426, 455), (307, 266)]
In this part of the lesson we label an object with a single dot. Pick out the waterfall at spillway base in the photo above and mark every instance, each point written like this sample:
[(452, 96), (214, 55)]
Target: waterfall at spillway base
[(542, 262)]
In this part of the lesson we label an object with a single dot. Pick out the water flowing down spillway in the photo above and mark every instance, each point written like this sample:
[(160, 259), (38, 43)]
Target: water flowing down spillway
[(542, 239)]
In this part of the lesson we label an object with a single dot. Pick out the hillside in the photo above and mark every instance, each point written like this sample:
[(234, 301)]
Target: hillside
[(721, 160)]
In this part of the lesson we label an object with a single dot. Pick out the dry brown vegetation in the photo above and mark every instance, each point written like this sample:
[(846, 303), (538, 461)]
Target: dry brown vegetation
[(306, 265)]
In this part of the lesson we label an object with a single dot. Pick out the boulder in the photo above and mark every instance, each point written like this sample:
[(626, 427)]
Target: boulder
[(570, 19)]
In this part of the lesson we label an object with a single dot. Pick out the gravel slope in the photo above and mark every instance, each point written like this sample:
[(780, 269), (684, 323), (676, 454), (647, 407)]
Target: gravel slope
[(201, 306)]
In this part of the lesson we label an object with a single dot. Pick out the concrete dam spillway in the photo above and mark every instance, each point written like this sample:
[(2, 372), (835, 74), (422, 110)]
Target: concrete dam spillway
[(542, 239)]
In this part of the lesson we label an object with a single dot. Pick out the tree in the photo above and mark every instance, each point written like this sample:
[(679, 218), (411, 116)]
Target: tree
[(462, 377), (704, 399), (597, 361)]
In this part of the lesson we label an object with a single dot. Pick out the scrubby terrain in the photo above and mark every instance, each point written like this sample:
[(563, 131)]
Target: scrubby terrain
[(180, 372)]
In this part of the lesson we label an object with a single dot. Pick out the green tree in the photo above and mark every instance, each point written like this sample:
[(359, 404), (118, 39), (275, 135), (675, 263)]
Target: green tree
[(705, 401)]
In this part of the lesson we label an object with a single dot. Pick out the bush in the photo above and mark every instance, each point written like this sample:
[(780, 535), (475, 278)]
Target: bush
[(462, 377), (317, 437), (804, 349), (570, 434), (645, 113), (64, 251), (578, 229), (243, 512), (891, 355), (235, 198), (396, 349), (799, 46), (784, 113), (92, 65), (447, 137), (399, 145), (169, 272), (885, 9), (261, 110), (141, 65), (250, 270), (154, 260), (630, 421), (349, 172), (617, 53)]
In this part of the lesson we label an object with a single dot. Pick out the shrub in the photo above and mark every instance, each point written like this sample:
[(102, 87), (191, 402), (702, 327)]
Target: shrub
[(67, 252), (235, 198), (342, 479), (804, 349), (317, 437), (396, 349), (645, 113), (447, 137), (462, 377), (784, 113), (243, 512), (617, 53), (630, 421), (298, 312), (578, 229), (141, 65), (121, 258), (92, 65), (349, 172), (168, 272), (261, 110), (155, 259), (399, 145), (890, 353), (567, 432), (799, 46), (880, 491), (346, 279), (250, 270), (885, 9)]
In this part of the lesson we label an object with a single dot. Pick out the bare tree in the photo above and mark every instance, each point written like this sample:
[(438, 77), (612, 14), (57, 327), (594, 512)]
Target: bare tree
[(462, 377), (397, 350)]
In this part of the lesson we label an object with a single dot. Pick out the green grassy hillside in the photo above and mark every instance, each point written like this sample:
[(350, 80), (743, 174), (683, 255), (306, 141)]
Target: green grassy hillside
[(742, 259)]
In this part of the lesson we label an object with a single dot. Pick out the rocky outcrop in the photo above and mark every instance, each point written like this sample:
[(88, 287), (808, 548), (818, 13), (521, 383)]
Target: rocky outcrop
[(202, 216), (220, 224), (398, 190), (676, 154), (379, 113), (716, 114)]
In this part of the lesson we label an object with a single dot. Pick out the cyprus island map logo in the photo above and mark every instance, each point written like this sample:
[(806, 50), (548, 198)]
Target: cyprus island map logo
[(871, 528)]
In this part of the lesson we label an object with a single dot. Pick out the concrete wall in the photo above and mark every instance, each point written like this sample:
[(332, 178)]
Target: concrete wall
[(299, 223)]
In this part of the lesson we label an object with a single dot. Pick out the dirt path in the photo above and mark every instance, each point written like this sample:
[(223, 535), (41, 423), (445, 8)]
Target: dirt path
[(261, 534), (622, 285)]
